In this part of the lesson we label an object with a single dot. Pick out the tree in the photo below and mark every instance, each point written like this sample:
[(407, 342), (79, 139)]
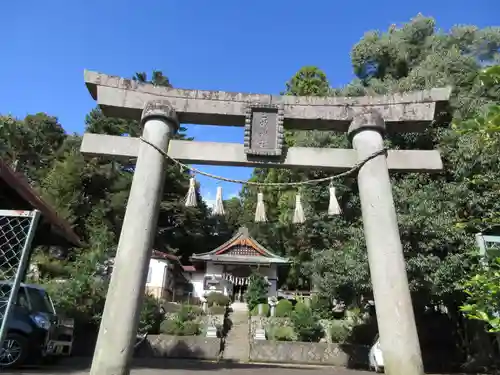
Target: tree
[(331, 251), (257, 291), (483, 292), (412, 57), (296, 242), (30, 145), (91, 194), (181, 230)]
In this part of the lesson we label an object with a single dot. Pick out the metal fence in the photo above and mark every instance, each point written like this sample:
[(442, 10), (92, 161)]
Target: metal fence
[(489, 246), (17, 229)]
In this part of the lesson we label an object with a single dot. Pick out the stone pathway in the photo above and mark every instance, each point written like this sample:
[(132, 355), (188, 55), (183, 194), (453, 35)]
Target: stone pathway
[(185, 367), (237, 346)]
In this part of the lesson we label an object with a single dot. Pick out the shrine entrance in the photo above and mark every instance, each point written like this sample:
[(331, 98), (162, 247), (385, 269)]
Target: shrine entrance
[(239, 276), (265, 117), (235, 260)]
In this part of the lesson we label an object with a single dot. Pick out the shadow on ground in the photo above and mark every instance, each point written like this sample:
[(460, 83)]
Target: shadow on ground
[(78, 365)]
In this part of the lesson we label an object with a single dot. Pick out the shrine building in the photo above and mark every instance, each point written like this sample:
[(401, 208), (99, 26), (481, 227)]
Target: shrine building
[(227, 268)]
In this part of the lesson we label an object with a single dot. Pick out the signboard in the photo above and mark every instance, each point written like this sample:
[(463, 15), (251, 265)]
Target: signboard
[(264, 130)]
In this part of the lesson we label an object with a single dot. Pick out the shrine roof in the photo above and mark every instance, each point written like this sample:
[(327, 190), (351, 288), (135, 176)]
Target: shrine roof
[(166, 256), (16, 193), (229, 252)]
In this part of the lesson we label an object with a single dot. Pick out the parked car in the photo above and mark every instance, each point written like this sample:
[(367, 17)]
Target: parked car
[(375, 357), (34, 330)]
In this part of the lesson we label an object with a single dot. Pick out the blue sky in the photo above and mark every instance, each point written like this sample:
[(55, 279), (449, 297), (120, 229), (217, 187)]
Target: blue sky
[(253, 46)]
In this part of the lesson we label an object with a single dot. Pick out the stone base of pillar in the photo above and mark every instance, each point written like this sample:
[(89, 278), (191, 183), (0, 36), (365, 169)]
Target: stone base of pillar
[(211, 331), (260, 334)]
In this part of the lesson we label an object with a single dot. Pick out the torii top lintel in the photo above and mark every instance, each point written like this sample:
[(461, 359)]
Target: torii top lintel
[(125, 98)]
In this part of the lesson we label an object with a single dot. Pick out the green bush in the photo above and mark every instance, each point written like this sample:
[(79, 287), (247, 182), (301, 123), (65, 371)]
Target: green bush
[(151, 316), (322, 307), (282, 334), (170, 327), (217, 310), (265, 310), (81, 296), (216, 298), (188, 312), (339, 332), (196, 310), (306, 324), (190, 329), (284, 309), (257, 290), (176, 327), (171, 307), (301, 306)]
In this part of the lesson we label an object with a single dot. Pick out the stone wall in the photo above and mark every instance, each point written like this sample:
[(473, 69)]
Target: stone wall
[(158, 346), (309, 353)]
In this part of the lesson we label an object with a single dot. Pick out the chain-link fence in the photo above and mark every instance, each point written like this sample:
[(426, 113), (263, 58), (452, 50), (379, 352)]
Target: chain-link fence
[(17, 229)]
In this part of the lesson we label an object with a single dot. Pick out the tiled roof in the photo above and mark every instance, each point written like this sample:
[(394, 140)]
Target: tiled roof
[(161, 255), (224, 252)]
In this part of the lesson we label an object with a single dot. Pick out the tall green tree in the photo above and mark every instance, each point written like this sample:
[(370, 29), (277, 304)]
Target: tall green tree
[(181, 230), (482, 288), (412, 57)]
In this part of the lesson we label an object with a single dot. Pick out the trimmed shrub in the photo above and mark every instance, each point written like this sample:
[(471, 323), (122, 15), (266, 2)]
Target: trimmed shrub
[(217, 310), (284, 309), (190, 329), (301, 306), (306, 324), (171, 307), (216, 298), (151, 316), (282, 334), (170, 327), (176, 327), (339, 332), (196, 310), (257, 290), (265, 310), (186, 314), (322, 307)]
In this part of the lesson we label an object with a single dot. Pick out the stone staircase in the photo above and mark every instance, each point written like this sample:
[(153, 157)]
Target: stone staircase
[(237, 345)]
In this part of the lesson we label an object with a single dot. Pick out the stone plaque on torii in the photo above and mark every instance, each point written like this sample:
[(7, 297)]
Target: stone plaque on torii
[(265, 117)]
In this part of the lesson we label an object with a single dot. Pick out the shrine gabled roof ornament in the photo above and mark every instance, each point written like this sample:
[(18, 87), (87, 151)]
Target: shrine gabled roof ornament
[(241, 248)]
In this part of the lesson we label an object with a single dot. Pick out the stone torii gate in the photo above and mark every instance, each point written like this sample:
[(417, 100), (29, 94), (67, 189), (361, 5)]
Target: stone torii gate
[(365, 119)]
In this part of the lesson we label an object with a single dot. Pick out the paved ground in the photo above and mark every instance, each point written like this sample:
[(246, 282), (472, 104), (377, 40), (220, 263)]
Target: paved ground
[(182, 367)]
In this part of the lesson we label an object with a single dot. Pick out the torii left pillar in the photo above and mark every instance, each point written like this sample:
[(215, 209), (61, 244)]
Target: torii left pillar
[(117, 333)]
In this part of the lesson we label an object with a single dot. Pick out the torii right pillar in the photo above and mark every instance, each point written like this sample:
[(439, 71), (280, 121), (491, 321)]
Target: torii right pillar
[(395, 317)]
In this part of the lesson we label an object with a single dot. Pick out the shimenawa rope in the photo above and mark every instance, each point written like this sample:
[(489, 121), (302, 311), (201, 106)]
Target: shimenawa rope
[(260, 212), (353, 169)]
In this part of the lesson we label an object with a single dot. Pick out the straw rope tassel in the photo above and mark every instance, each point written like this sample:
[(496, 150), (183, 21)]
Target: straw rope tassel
[(260, 210), (191, 194), (219, 207), (333, 207), (298, 215)]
